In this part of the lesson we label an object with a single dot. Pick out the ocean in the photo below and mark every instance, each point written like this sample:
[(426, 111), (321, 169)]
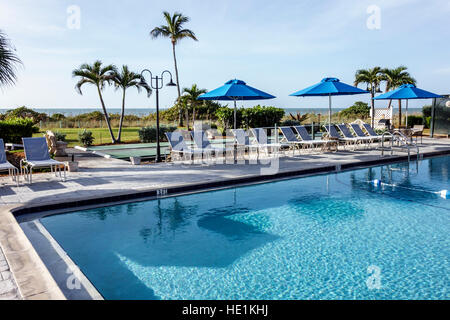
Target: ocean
[(145, 111)]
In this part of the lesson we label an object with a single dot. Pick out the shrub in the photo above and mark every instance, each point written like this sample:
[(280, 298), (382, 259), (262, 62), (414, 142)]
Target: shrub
[(426, 111), (427, 122), (12, 130), (57, 117), (60, 136), (415, 120), (24, 112), (261, 116), (148, 134), (86, 138), (358, 110)]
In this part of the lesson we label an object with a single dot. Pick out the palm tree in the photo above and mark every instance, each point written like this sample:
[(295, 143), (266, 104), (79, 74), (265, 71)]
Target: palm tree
[(192, 95), (395, 78), (124, 80), (174, 30), (8, 61), (183, 105), (99, 76), (372, 78)]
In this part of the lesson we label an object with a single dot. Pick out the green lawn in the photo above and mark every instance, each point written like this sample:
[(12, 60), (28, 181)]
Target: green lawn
[(101, 135)]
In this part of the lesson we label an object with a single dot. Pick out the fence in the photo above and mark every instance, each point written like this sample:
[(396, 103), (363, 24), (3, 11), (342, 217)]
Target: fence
[(440, 123)]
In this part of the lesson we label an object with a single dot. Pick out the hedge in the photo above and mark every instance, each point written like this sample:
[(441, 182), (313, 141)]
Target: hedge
[(148, 134), (12, 130), (256, 117)]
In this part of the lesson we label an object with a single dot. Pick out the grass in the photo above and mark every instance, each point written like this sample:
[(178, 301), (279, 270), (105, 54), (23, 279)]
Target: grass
[(101, 135)]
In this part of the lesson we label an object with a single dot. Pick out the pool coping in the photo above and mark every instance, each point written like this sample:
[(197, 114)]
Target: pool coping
[(34, 280)]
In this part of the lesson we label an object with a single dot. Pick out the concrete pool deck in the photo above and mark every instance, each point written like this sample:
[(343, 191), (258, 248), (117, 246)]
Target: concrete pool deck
[(116, 180)]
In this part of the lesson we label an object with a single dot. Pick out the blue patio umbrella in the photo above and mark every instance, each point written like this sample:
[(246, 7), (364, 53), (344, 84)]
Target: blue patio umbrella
[(329, 87), (407, 92), (235, 90)]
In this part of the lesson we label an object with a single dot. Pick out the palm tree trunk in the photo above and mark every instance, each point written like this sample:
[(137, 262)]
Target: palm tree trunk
[(121, 116), (187, 118), (178, 82), (105, 113), (399, 113)]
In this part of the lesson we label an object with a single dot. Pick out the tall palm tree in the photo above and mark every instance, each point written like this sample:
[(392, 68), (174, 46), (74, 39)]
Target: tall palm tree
[(98, 75), (174, 29), (192, 95), (395, 78), (183, 105), (124, 80), (372, 78), (8, 61)]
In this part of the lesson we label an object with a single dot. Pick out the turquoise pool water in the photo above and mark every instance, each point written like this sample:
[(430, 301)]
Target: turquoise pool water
[(331, 236)]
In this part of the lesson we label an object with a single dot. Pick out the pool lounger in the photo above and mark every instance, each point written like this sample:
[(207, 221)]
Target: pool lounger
[(347, 134), (262, 141), (345, 141), (202, 142), (293, 141), (360, 133), (6, 166), (179, 147), (37, 156), (304, 135)]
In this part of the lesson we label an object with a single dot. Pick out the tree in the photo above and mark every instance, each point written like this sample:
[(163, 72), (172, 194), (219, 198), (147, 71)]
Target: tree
[(8, 61), (372, 78), (99, 76), (174, 30), (192, 95), (395, 78), (124, 80)]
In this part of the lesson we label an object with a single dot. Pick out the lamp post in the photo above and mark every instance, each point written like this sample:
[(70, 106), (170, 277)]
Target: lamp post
[(159, 83)]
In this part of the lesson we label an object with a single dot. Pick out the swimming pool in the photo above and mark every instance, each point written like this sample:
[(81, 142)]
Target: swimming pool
[(336, 236)]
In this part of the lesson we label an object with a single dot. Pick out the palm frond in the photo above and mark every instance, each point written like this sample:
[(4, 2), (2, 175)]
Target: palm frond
[(8, 61)]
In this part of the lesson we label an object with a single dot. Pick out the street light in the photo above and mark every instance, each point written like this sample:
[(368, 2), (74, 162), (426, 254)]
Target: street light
[(159, 83)]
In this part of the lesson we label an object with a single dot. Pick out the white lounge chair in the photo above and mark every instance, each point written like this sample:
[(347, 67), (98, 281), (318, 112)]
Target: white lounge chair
[(179, 147), (202, 142), (37, 156), (304, 135), (6, 166), (345, 141), (262, 141), (347, 134)]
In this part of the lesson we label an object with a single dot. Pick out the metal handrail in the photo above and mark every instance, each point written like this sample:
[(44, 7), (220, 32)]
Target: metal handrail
[(399, 137)]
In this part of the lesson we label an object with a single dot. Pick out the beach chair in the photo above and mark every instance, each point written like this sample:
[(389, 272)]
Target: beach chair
[(348, 134), (290, 137), (304, 135), (242, 140), (179, 147), (262, 141), (417, 131), (202, 142), (37, 156), (345, 141), (372, 132), (6, 166), (360, 133)]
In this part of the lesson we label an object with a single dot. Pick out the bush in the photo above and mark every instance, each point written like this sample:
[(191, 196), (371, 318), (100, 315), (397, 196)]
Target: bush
[(57, 117), (148, 134), (358, 110), (86, 138), (12, 130), (261, 116), (60, 136), (427, 122), (426, 111), (24, 112), (415, 120)]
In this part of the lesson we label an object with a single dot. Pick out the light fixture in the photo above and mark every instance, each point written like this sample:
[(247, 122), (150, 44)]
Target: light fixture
[(171, 83)]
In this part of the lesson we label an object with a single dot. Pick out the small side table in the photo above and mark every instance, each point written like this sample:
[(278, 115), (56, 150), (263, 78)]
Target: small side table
[(332, 144)]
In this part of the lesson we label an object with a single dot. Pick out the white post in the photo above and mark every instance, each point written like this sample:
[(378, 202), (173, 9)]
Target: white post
[(235, 114)]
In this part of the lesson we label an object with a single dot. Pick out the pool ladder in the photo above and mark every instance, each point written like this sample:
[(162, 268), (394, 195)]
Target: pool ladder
[(400, 142)]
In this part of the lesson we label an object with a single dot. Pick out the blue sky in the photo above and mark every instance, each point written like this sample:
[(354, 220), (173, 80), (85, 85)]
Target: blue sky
[(276, 46)]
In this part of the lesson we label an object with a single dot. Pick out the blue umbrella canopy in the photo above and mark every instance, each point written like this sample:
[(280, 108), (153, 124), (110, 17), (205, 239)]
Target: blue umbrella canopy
[(235, 90), (407, 92), (329, 87)]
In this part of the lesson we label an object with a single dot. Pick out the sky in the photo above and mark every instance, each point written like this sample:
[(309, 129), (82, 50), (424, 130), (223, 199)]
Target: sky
[(276, 46)]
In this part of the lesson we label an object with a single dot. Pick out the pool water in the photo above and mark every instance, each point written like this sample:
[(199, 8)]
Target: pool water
[(334, 236)]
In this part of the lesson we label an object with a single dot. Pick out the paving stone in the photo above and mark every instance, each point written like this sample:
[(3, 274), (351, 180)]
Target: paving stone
[(6, 275), (7, 286)]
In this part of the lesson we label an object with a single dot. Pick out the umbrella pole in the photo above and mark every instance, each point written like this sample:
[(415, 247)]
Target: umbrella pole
[(329, 113), (407, 113), (235, 115)]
